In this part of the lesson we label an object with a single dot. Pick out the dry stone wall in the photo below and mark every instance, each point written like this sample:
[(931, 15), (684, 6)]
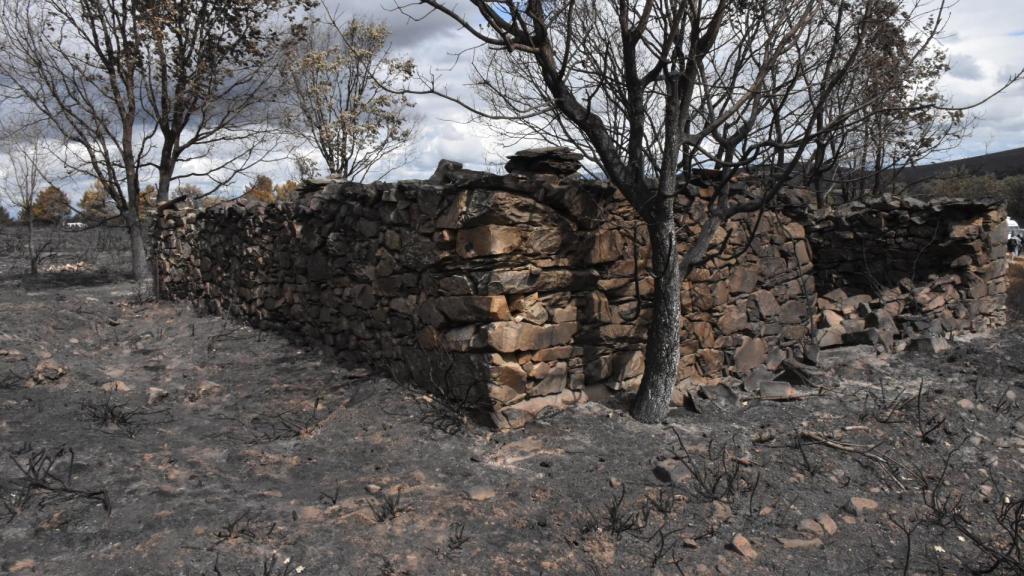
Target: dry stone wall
[(898, 272), (526, 293), (522, 293)]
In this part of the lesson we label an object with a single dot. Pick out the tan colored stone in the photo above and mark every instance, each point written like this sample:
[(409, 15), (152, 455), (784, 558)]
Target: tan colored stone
[(743, 281), (504, 395), (597, 308), (830, 337), (48, 370), (520, 414), (629, 364), (155, 395), (830, 319), (606, 246), (554, 381), (488, 240), (741, 545), (549, 354), (750, 355), (705, 334), (518, 336), (732, 320), (536, 313), (827, 524), (480, 493), (564, 314), (25, 565), (525, 281), (810, 526), (507, 373), (794, 230), (860, 506)]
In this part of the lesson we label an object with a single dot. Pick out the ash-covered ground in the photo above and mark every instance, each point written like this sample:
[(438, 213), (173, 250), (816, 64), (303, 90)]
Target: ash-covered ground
[(140, 438)]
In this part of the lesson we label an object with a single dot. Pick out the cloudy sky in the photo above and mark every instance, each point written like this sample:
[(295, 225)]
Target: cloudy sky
[(985, 40)]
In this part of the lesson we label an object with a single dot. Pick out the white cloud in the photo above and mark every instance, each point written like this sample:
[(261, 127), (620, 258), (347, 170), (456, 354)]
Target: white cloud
[(986, 40)]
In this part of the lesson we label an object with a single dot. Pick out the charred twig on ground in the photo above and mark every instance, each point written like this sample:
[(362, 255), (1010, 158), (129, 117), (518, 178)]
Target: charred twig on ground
[(942, 503), (886, 463), (810, 467), (108, 414), (618, 519), (387, 506), (1003, 548), (456, 537), (665, 541), (664, 502), (926, 424), (908, 528), (244, 526), (38, 477), (885, 407), (456, 540), (716, 476), (286, 425), (331, 499), (448, 401), (213, 341)]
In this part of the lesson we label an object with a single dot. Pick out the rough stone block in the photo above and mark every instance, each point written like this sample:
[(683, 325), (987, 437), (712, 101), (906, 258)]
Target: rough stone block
[(518, 336)]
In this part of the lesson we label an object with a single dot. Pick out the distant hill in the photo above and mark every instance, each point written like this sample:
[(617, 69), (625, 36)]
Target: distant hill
[(998, 164)]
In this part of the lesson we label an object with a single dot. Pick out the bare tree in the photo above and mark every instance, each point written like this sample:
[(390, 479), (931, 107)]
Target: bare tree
[(666, 95), (341, 81), (208, 75), (909, 119), (27, 171), (77, 65), (132, 86)]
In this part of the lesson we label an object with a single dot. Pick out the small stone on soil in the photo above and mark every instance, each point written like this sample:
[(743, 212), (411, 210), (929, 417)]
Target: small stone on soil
[(810, 527), (828, 524), (722, 512), (742, 545), (861, 506), (480, 493), (156, 396), (21, 566)]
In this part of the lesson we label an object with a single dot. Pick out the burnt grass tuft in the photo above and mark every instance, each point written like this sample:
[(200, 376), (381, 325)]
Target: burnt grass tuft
[(263, 452)]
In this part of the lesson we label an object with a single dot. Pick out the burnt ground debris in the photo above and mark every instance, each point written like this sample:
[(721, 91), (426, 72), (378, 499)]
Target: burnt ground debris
[(248, 455)]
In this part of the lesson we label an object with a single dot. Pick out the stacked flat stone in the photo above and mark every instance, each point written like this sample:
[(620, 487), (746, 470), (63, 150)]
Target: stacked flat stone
[(531, 292), (555, 160), (893, 271)]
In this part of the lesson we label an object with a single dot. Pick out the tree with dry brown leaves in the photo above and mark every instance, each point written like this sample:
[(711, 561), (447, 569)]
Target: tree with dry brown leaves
[(342, 81)]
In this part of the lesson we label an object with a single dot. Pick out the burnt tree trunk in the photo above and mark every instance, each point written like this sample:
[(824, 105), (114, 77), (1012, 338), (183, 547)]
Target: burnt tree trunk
[(140, 267), (662, 354), (33, 264)]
